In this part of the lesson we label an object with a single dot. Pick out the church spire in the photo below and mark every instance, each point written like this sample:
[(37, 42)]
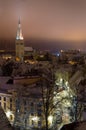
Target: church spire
[(19, 32)]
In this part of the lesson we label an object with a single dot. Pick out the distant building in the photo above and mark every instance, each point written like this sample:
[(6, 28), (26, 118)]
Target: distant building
[(28, 53), (19, 43), (20, 52), (65, 55)]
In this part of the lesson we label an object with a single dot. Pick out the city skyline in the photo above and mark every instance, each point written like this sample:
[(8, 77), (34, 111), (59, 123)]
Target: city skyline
[(46, 21)]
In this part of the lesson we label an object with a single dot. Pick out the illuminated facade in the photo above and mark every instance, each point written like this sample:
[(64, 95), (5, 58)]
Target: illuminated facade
[(65, 110), (19, 43), (8, 105), (24, 112), (21, 109), (28, 112)]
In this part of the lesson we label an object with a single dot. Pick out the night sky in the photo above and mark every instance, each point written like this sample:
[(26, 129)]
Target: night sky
[(45, 23)]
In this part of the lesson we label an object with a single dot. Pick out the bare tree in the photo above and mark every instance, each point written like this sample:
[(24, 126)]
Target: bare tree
[(48, 92), (52, 105)]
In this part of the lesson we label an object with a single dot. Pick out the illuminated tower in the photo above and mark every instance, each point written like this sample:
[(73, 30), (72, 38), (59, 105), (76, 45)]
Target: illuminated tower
[(19, 43)]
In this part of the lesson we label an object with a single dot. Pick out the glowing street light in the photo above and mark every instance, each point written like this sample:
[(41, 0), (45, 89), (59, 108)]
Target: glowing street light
[(8, 113), (35, 118), (50, 119)]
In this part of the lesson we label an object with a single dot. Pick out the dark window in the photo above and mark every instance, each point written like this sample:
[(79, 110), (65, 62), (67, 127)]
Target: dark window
[(39, 114), (39, 123), (5, 106), (25, 103), (10, 99), (11, 117), (25, 108), (32, 104), (21, 43), (32, 122), (11, 107), (39, 105), (4, 98), (39, 111), (25, 112), (32, 114)]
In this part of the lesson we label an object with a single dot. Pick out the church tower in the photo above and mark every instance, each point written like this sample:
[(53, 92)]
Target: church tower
[(19, 43)]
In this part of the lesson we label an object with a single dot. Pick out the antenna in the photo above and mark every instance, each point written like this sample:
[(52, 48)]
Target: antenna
[(19, 20)]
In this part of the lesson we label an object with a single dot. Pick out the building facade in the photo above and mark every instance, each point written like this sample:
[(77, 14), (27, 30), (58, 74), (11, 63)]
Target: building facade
[(22, 111)]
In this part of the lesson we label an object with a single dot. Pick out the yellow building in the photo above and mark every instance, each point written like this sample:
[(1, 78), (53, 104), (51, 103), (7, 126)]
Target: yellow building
[(8, 105), (22, 111)]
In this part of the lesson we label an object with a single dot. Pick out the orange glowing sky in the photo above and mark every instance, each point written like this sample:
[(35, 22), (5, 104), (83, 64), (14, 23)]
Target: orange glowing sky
[(44, 19)]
